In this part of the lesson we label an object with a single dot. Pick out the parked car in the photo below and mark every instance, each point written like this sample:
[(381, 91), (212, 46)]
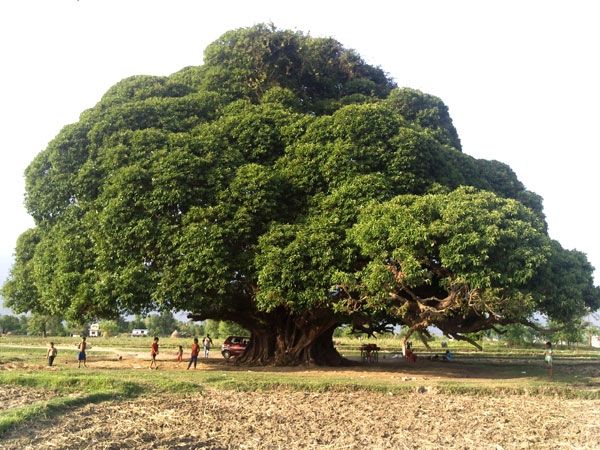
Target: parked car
[(234, 346)]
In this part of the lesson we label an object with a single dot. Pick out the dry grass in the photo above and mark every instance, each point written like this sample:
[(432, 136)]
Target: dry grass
[(297, 420), (16, 396)]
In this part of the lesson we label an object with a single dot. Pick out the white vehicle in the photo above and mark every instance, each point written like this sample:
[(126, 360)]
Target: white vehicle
[(139, 332)]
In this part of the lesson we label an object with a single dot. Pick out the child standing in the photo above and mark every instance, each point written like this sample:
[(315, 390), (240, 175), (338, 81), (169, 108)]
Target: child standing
[(180, 354), (81, 357), (206, 343), (154, 353), (52, 352), (195, 352), (548, 359)]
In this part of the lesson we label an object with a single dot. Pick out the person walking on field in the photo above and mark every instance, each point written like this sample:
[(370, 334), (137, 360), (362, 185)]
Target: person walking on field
[(548, 359), (179, 355), (154, 353), (82, 349), (195, 352), (207, 343), (52, 352)]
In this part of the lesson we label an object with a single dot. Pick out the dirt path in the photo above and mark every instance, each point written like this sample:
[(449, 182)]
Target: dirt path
[(295, 420)]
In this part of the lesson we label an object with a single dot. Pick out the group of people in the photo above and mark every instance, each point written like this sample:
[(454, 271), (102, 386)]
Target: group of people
[(449, 356), (207, 344), (83, 346), (81, 355), (195, 351)]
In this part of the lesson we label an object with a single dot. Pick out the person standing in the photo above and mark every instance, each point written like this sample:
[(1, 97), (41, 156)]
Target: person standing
[(195, 352), (180, 355), (154, 353), (52, 352), (207, 343), (548, 360), (81, 357)]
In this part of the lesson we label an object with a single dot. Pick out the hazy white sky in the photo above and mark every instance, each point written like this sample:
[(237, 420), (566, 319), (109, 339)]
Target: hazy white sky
[(521, 78)]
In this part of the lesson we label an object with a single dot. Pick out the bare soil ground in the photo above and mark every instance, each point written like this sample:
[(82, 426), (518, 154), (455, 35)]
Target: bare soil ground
[(16, 396), (282, 419), (296, 420)]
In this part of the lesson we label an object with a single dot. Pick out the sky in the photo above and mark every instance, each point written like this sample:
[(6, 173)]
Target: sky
[(520, 78)]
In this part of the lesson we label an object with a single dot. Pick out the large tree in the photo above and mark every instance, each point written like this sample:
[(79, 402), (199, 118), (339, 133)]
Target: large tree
[(289, 187)]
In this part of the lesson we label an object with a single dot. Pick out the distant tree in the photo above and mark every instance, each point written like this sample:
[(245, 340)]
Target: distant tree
[(14, 324), (569, 334), (518, 335), (226, 328), (23, 322), (192, 328), (109, 328), (138, 322), (589, 331), (10, 323), (342, 331), (212, 327), (76, 328), (162, 324), (42, 325), (122, 324)]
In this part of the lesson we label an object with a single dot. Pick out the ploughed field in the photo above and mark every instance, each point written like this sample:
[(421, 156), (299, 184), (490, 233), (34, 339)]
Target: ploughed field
[(289, 419), (484, 401)]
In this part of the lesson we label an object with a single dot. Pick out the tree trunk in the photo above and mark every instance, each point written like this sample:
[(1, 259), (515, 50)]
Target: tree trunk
[(284, 339), (325, 352), (293, 341), (261, 348)]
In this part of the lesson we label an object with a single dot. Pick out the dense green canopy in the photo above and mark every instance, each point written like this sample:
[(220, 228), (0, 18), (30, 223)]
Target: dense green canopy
[(290, 187)]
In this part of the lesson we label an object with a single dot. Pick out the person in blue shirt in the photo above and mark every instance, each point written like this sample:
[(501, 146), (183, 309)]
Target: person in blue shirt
[(448, 356)]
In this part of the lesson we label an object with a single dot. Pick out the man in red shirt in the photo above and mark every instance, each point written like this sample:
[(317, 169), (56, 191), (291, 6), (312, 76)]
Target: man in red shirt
[(154, 353), (195, 352)]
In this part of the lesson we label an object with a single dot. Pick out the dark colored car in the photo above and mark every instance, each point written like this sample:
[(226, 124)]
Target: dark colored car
[(234, 346)]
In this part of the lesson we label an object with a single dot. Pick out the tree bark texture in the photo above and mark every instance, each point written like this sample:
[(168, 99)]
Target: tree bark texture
[(289, 341)]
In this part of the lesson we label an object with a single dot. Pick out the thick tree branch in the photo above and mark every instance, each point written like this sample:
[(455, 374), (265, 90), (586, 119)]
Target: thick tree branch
[(460, 337), (536, 327)]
